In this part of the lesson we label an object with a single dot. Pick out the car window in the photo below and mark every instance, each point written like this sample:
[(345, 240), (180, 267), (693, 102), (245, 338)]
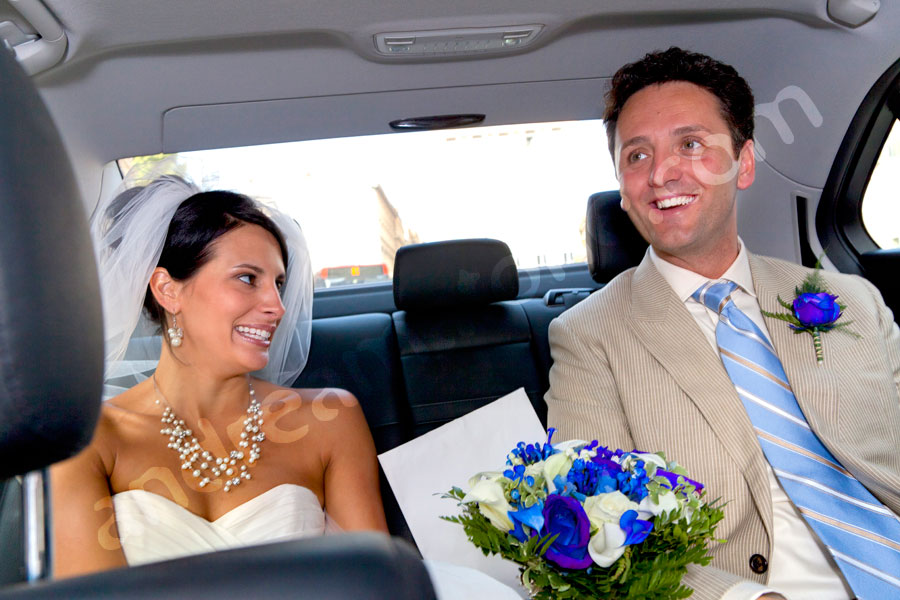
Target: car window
[(359, 199), (881, 202)]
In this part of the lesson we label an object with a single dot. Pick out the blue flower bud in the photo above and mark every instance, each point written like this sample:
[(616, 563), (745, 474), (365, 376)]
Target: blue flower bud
[(816, 310)]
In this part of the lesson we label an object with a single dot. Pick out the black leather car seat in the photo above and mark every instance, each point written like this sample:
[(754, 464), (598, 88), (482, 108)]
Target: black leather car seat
[(463, 340), (613, 243)]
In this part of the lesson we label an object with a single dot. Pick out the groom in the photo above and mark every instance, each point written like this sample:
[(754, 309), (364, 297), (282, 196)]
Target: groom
[(677, 355)]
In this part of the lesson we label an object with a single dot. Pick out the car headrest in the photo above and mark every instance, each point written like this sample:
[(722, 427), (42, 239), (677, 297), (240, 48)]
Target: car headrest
[(51, 327), (613, 243), (358, 564), (454, 273)]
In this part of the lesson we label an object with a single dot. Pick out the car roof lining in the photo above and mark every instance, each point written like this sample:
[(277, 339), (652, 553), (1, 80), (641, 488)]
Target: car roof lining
[(100, 25)]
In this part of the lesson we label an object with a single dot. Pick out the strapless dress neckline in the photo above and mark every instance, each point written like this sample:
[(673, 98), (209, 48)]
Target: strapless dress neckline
[(154, 528), (248, 505)]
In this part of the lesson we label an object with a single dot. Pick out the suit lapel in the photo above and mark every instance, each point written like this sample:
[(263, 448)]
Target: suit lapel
[(668, 331), (814, 386)]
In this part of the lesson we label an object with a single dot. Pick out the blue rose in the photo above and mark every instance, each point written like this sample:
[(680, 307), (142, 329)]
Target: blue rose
[(816, 310), (566, 517)]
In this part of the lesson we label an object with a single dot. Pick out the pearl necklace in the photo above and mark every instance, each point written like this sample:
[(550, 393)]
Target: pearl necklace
[(197, 460)]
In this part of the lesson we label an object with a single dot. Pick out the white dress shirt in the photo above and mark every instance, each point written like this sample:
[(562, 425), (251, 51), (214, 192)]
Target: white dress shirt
[(800, 568)]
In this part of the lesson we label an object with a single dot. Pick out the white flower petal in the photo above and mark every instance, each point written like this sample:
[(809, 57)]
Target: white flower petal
[(489, 475), (667, 502), (568, 444), (607, 545), (557, 464), (607, 508), (491, 502), (485, 490)]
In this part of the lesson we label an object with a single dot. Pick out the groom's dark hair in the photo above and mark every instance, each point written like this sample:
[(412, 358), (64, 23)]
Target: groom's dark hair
[(198, 222), (722, 80)]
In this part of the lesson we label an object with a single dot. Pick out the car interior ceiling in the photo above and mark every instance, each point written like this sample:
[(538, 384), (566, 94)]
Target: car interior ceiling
[(178, 76)]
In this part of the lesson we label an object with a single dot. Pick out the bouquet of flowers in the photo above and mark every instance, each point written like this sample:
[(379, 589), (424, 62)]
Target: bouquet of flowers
[(583, 521)]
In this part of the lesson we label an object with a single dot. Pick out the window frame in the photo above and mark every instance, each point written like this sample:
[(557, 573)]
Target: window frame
[(839, 222)]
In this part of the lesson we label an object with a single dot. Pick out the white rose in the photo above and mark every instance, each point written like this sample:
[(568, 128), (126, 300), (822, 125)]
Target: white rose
[(492, 503), (666, 502), (556, 464), (607, 508), (607, 545)]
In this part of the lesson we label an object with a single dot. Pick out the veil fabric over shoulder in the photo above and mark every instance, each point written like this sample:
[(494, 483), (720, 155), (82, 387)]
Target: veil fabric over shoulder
[(129, 232)]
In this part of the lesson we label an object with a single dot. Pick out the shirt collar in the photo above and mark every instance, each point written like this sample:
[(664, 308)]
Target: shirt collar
[(685, 282)]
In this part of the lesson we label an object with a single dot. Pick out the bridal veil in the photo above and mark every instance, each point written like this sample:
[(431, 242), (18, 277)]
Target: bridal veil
[(129, 231)]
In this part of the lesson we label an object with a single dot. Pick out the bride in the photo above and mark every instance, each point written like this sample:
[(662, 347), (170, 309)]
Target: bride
[(210, 452)]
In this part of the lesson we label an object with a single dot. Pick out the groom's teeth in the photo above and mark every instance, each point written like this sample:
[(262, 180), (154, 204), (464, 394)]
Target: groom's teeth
[(260, 334), (676, 201)]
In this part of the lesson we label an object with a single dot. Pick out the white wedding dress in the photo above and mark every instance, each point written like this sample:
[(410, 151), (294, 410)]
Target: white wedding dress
[(153, 528)]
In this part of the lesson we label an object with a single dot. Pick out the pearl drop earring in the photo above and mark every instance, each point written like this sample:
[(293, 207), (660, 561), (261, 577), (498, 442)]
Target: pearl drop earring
[(175, 333)]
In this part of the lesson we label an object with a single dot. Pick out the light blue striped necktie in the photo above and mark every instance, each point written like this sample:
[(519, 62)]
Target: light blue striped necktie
[(859, 531)]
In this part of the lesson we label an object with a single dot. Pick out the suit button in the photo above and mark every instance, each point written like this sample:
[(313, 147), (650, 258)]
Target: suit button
[(759, 564)]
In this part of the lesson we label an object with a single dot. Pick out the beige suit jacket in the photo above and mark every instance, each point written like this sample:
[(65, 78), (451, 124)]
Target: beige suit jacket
[(633, 370)]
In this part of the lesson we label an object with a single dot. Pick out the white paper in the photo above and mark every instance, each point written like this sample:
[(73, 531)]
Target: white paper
[(422, 469)]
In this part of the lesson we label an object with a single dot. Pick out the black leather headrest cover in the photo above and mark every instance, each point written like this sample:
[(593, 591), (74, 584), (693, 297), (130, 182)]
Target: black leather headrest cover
[(51, 328), (613, 243), (365, 565), (454, 273)]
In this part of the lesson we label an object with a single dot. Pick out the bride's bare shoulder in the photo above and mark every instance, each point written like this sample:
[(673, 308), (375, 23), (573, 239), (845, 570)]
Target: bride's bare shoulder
[(333, 406), (276, 396), (136, 400), (128, 411)]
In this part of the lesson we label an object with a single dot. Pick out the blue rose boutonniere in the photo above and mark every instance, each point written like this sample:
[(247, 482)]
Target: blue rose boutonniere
[(813, 311)]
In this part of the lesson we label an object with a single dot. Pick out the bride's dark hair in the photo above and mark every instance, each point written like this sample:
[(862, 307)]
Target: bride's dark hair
[(198, 222)]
